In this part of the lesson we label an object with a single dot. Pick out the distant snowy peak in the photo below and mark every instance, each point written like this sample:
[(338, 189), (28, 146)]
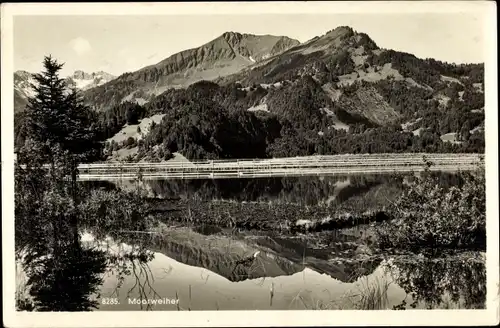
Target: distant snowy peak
[(79, 79), (22, 83), (84, 81), (81, 75)]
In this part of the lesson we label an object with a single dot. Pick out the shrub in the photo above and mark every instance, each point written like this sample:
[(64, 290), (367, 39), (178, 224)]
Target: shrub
[(130, 142), (428, 215)]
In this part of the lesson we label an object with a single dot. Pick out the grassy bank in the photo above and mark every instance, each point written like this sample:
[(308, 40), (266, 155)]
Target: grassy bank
[(280, 217)]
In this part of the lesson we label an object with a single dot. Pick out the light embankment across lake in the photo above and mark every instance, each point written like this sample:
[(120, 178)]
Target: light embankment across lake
[(294, 166)]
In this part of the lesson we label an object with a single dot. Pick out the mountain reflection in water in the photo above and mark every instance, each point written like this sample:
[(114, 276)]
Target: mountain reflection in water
[(209, 275)]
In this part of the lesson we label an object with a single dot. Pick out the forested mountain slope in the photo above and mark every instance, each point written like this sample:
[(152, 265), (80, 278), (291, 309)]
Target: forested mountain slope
[(337, 93)]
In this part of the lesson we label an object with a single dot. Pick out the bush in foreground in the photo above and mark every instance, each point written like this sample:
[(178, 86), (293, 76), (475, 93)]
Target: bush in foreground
[(430, 216)]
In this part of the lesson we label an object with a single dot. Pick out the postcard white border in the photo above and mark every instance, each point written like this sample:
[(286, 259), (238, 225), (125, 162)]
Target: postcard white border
[(489, 316)]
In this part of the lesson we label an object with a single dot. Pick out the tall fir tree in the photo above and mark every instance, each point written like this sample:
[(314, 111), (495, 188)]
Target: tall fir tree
[(56, 115)]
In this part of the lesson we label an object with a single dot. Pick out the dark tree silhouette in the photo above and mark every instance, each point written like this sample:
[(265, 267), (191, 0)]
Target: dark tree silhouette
[(56, 115)]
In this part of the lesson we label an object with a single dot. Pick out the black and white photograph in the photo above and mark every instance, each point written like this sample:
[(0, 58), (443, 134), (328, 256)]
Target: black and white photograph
[(191, 163)]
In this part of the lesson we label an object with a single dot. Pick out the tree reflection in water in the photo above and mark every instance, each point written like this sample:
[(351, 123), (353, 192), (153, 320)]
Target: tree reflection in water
[(305, 191), (68, 276), (63, 273), (123, 261), (441, 283), (66, 282)]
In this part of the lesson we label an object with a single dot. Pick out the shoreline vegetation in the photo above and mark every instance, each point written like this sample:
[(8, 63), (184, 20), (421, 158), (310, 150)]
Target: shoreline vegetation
[(424, 215), (427, 215)]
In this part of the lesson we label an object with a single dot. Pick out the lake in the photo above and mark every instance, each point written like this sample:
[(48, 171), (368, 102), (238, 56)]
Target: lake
[(247, 244)]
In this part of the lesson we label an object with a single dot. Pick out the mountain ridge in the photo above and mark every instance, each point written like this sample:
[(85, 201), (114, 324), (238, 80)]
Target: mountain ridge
[(226, 54)]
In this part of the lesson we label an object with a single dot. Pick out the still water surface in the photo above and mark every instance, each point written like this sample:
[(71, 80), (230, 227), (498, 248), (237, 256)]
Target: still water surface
[(204, 267)]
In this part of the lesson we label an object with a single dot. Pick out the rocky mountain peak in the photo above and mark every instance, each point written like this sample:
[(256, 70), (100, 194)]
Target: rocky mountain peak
[(81, 75), (258, 47), (342, 30), (233, 38), (22, 74)]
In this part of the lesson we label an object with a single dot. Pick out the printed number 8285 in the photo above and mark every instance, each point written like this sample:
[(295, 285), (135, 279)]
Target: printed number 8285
[(110, 301)]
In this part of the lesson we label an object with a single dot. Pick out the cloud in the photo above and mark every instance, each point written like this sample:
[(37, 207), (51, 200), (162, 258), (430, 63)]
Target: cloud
[(81, 46), (152, 56)]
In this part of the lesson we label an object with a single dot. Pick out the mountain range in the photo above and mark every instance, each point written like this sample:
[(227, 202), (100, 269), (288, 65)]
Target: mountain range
[(274, 96)]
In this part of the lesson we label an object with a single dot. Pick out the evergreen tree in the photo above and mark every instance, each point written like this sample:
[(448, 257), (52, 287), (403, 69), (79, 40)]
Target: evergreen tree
[(57, 116)]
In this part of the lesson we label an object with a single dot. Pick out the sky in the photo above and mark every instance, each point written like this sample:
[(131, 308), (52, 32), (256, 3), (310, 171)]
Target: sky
[(119, 44)]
